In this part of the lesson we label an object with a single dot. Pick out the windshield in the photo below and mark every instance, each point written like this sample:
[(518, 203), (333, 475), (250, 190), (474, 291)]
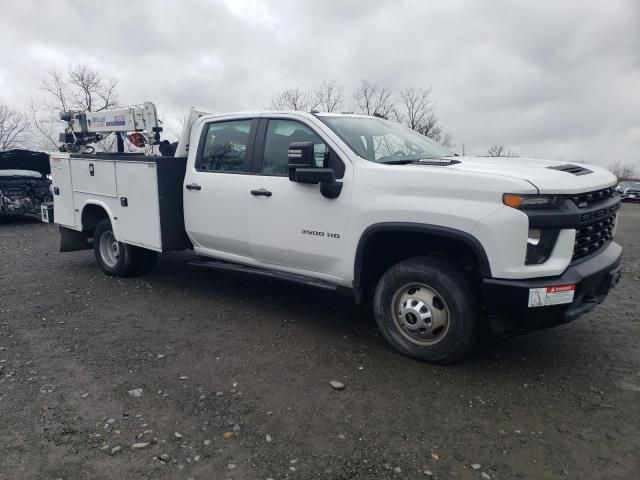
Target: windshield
[(624, 185), (383, 141)]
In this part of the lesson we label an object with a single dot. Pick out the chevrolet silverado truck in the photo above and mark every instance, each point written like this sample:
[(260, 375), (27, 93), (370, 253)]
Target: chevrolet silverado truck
[(444, 246)]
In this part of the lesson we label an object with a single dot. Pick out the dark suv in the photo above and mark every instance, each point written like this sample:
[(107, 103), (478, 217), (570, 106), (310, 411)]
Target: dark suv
[(629, 191)]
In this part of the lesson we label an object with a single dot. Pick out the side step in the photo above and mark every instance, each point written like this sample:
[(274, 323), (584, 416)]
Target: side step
[(290, 277)]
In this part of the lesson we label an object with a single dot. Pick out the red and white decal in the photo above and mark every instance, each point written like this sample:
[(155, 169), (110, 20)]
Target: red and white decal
[(547, 296)]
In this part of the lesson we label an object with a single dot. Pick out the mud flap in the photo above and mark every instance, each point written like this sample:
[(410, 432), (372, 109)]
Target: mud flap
[(72, 240)]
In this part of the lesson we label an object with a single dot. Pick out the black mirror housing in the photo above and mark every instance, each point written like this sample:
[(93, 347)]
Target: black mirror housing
[(315, 175), (300, 156), (303, 169)]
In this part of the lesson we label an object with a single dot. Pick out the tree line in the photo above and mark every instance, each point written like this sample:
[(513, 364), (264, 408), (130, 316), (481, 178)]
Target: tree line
[(82, 88), (410, 106)]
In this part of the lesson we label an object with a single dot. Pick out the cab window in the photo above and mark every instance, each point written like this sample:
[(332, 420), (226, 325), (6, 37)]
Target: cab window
[(225, 147), (281, 133)]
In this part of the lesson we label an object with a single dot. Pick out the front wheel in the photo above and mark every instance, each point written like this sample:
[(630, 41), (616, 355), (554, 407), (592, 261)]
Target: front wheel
[(426, 309), (119, 259)]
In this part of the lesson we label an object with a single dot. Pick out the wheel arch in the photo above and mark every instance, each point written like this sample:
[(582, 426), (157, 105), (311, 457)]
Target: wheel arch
[(92, 212), (406, 242)]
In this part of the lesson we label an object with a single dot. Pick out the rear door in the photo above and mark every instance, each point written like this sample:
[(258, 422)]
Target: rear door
[(292, 225), (217, 188)]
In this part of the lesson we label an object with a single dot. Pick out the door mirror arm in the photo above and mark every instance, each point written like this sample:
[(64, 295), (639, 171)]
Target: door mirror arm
[(331, 190)]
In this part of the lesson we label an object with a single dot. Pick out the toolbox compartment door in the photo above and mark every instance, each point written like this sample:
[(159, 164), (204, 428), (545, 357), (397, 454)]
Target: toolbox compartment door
[(94, 176), (62, 189), (137, 207)]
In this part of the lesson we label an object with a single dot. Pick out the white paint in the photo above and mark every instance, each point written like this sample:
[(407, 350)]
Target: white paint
[(223, 219)]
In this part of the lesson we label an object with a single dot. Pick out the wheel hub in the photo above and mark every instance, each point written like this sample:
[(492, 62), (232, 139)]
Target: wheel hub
[(109, 249), (420, 314), (415, 314)]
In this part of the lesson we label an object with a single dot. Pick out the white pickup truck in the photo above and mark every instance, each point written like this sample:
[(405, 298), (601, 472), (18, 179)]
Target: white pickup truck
[(445, 246)]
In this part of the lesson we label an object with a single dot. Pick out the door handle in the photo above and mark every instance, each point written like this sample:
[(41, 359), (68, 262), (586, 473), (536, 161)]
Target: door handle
[(193, 186), (261, 193)]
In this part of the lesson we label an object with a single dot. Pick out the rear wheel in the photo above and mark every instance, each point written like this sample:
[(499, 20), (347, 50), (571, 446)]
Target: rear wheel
[(426, 309), (145, 260), (117, 258)]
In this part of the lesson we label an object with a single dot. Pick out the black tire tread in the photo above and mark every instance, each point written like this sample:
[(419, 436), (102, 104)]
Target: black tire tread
[(133, 260), (459, 295)]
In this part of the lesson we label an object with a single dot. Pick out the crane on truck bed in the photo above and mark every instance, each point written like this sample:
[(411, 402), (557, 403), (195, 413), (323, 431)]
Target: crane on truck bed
[(139, 123)]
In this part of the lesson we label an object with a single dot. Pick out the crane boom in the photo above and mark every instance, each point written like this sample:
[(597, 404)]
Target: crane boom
[(84, 128)]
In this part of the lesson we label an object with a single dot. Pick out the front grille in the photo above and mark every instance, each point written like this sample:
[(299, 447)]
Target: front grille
[(596, 226), (584, 200), (593, 237)]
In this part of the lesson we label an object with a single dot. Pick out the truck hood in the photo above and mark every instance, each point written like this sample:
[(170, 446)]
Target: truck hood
[(547, 176), (20, 173), (25, 160)]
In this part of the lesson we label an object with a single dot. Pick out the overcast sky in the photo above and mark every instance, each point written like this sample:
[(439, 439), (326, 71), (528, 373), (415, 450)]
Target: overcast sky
[(554, 79)]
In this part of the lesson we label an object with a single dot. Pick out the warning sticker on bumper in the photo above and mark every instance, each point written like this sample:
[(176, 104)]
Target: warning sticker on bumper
[(547, 296)]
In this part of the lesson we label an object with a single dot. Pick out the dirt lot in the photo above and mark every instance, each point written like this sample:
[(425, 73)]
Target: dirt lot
[(235, 372)]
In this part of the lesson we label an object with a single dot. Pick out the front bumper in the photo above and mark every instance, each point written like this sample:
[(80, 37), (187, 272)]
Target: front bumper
[(630, 196), (507, 301)]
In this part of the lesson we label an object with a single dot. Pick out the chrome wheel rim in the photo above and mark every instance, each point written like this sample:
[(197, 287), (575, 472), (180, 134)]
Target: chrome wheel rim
[(109, 249), (420, 314)]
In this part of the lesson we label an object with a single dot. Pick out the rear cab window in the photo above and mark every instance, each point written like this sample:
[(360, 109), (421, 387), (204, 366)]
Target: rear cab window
[(226, 147)]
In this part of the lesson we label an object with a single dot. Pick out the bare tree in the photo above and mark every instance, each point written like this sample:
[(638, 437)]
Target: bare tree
[(57, 92), (417, 111), (623, 171), (14, 128), (329, 96), (501, 151), (81, 88), (46, 125), (431, 128), (294, 99), (415, 107), (496, 150), (372, 99)]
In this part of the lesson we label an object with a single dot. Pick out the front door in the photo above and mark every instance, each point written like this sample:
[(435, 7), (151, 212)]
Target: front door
[(291, 224), (216, 191)]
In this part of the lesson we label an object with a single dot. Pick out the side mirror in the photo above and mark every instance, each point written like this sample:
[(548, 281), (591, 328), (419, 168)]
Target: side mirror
[(315, 175), (300, 156), (303, 169)]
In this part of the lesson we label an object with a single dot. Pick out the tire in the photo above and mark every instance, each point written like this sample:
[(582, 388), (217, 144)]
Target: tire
[(426, 309), (119, 259), (145, 260)]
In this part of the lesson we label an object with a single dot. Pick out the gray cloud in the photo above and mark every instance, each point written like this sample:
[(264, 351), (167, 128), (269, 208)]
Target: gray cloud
[(557, 80)]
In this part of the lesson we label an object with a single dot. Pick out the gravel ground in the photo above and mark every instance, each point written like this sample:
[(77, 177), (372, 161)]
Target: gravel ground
[(234, 374)]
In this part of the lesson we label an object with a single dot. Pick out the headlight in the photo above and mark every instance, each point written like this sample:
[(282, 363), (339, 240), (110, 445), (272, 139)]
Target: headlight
[(540, 243), (516, 200)]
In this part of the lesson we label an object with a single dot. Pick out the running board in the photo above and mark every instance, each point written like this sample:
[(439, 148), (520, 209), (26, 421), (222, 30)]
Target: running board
[(290, 277)]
